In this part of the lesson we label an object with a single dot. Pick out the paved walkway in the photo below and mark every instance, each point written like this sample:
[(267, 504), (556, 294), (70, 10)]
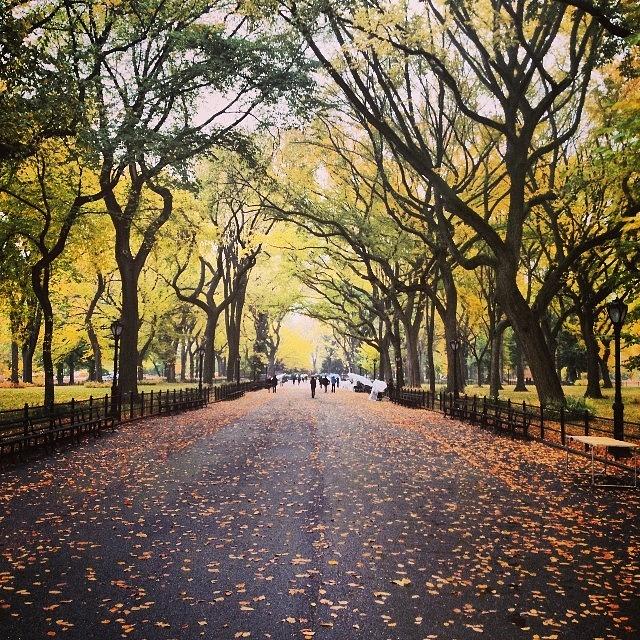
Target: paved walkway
[(286, 518)]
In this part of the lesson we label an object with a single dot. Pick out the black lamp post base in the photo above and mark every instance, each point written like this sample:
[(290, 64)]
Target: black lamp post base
[(618, 430)]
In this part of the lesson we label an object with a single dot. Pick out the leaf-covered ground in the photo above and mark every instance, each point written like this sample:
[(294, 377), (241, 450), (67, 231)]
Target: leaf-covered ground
[(282, 517)]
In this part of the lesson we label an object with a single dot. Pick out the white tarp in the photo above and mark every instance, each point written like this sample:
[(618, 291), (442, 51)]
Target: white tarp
[(354, 377), (378, 386)]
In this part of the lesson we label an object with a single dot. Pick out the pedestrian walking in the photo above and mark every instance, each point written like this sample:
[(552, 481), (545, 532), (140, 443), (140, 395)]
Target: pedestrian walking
[(324, 381), (338, 381), (274, 384), (314, 382), (333, 384)]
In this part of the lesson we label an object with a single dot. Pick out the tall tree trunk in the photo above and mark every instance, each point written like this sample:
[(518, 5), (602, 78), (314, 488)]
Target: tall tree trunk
[(233, 319), (529, 334), (431, 324), (396, 343), (386, 371), (495, 378), (40, 282), (520, 382), (130, 265), (27, 364), (128, 365), (449, 317), (464, 367), (72, 371), (209, 351), (15, 349), (519, 363), (413, 359), (183, 359), (451, 333), (233, 352), (604, 364), (97, 353), (173, 361), (91, 333), (587, 320), (272, 362), (15, 357), (30, 344), (59, 373)]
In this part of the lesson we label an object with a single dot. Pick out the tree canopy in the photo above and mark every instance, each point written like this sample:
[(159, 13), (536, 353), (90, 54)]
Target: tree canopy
[(288, 184)]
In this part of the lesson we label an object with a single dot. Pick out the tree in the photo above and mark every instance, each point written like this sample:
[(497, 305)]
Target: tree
[(232, 229), (535, 110), (37, 68), (47, 197), (25, 314), (150, 64), (271, 299), (571, 355)]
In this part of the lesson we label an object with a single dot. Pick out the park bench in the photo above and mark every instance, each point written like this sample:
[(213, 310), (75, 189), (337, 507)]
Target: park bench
[(234, 395), (43, 430), (179, 401), (413, 399), (505, 419)]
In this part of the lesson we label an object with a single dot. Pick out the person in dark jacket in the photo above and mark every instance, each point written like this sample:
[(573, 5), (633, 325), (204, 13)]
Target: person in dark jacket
[(274, 383), (333, 384), (324, 381), (314, 383)]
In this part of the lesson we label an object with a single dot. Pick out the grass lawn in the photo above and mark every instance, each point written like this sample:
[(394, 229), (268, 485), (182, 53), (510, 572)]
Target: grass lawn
[(630, 398), (13, 398)]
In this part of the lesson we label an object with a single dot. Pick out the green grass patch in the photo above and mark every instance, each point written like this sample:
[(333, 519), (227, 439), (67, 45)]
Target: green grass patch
[(11, 398), (600, 407)]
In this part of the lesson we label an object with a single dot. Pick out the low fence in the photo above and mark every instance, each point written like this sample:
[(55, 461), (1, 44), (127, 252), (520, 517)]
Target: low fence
[(551, 426), (32, 427)]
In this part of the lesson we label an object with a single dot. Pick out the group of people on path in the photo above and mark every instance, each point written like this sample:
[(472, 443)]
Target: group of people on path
[(324, 381), (274, 382)]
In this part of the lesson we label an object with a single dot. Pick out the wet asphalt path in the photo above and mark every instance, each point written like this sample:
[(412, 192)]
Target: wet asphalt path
[(302, 519)]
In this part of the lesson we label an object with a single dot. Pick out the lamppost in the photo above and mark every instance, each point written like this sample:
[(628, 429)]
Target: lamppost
[(238, 369), (617, 310), (455, 345), (116, 332), (200, 352)]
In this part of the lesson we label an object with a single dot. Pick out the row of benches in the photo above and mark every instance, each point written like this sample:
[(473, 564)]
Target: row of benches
[(508, 419), (501, 418), (48, 431), (70, 422), (36, 428)]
